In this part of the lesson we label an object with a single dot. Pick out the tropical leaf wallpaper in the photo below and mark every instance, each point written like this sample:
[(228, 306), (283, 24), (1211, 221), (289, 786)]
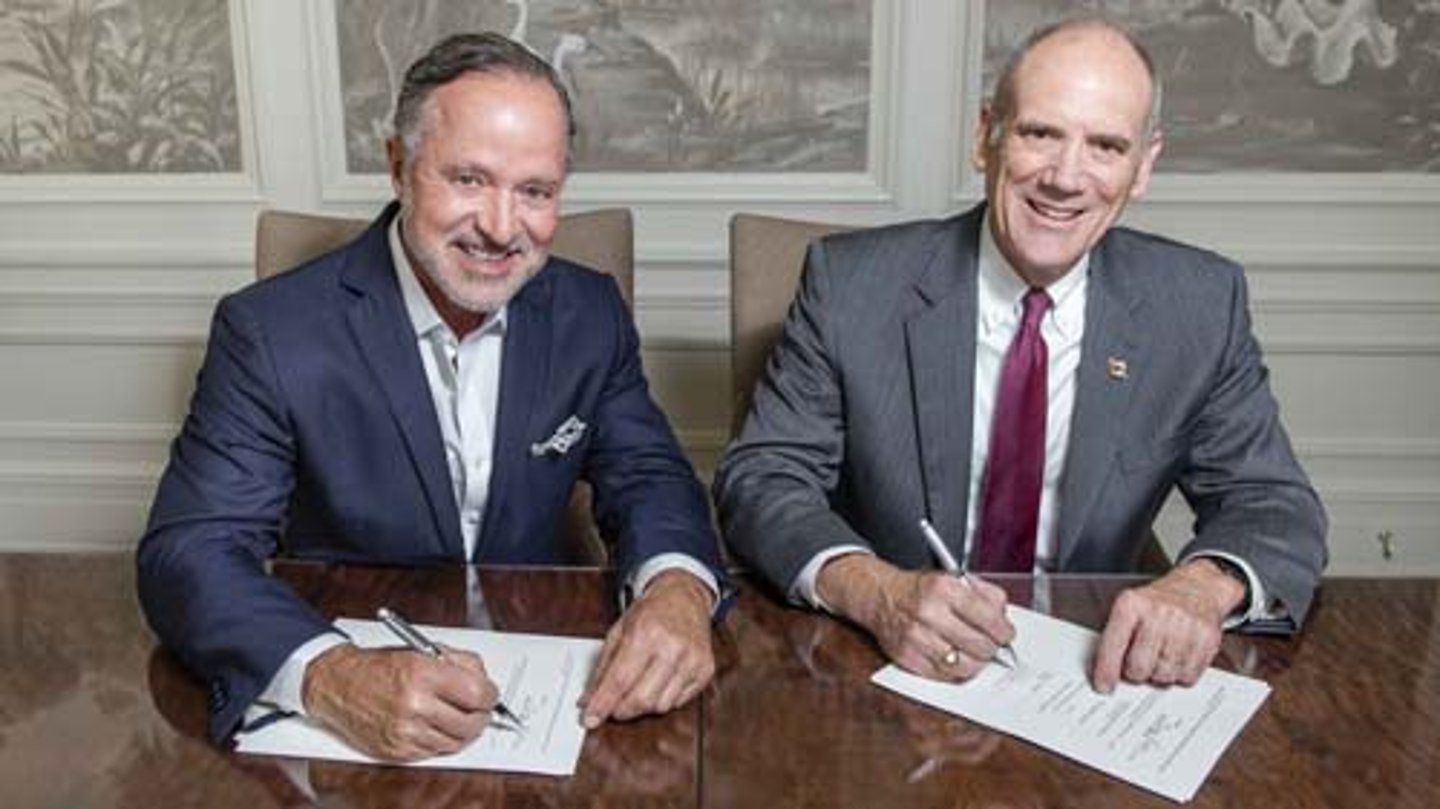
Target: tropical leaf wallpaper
[(117, 86)]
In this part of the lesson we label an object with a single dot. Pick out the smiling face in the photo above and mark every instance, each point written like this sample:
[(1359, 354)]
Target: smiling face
[(1071, 152), (480, 191)]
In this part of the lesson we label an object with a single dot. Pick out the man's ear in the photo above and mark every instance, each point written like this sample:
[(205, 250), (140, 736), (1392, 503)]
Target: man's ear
[(395, 160), (980, 148), (1147, 165)]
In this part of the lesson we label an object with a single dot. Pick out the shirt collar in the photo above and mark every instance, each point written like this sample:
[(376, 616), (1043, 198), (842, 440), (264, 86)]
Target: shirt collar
[(1002, 289), (423, 317)]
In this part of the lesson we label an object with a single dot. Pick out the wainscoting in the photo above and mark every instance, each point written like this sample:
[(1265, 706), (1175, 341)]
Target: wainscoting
[(107, 284)]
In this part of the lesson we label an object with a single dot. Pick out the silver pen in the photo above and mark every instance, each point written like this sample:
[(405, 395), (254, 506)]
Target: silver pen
[(947, 561), (403, 630)]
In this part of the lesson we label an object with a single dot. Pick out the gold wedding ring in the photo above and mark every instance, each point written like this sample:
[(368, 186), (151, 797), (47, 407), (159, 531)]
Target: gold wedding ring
[(951, 658)]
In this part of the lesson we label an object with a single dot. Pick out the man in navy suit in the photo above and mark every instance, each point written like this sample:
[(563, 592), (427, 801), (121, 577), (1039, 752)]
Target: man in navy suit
[(890, 398), (428, 393)]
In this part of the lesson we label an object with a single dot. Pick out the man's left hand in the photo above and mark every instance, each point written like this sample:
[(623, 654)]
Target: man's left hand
[(1167, 631), (657, 656)]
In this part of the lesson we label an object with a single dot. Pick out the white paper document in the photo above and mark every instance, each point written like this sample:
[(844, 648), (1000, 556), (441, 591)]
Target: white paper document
[(1165, 740), (540, 677)]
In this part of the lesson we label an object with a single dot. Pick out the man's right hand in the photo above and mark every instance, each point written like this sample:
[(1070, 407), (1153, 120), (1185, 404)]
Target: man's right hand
[(400, 705), (919, 618)]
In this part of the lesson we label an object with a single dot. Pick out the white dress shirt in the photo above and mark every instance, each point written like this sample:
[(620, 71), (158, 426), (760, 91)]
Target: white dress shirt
[(464, 378)]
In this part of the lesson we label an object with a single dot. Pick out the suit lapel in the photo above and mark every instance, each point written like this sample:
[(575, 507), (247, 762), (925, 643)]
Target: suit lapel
[(1102, 398), (940, 340), (524, 371), (380, 325)]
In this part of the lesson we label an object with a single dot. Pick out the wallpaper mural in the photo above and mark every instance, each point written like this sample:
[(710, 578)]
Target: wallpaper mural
[(117, 86), (658, 85), (1276, 85)]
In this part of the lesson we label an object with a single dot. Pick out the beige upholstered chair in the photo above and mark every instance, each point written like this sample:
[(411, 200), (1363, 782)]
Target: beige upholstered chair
[(602, 240), (767, 255)]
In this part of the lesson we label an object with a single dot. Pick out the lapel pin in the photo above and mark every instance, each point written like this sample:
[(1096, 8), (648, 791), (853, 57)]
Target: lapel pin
[(1117, 368), (565, 436)]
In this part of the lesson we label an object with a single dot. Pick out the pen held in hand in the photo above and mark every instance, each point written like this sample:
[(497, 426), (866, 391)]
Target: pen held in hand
[(406, 632), (947, 561)]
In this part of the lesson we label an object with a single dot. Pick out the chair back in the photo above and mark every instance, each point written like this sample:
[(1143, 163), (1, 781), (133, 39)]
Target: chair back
[(602, 240), (767, 255)]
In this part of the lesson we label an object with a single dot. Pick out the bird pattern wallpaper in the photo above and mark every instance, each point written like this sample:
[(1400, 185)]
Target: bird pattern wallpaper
[(657, 85)]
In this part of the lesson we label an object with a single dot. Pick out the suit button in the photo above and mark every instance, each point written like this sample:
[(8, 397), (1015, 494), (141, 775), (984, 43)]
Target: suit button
[(218, 697)]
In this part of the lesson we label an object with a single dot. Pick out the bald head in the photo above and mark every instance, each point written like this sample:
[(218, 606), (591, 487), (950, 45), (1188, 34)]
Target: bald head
[(1105, 36)]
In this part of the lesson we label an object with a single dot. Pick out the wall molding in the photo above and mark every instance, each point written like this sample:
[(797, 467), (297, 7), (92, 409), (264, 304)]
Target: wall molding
[(85, 434), (707, 251), (1340, 256), (80, 482), (677, 310), (1376, 448), (30, 190), (200, 255)]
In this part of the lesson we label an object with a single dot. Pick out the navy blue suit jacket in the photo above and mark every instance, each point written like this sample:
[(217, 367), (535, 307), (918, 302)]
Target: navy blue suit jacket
[(312, 434)]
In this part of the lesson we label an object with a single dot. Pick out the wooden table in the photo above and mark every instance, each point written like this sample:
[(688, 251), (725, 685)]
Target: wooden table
[(93, 714)]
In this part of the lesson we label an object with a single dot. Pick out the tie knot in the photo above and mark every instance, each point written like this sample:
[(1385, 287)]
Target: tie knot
[(1036, 302)]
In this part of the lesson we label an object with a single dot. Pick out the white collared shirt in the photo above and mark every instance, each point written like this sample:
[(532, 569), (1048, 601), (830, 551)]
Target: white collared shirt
[(464, 380)]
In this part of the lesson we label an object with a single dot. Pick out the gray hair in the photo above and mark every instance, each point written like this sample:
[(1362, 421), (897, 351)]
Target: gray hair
[(1002, 101), (458, 54)]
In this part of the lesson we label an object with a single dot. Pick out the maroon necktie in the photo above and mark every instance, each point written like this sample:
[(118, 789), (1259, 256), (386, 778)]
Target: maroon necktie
[(1015, 469)]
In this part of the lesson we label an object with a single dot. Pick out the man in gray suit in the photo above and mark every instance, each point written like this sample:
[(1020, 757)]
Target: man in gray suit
[(1034, 381)]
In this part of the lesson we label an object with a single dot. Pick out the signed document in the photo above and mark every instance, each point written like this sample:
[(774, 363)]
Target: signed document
[(1165, 740), (540, 677)]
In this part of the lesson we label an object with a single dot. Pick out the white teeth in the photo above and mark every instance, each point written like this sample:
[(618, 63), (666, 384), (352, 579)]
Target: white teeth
[(483, 254), (1053, 212)]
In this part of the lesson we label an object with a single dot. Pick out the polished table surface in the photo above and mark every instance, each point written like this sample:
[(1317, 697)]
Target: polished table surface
[(93, 714)]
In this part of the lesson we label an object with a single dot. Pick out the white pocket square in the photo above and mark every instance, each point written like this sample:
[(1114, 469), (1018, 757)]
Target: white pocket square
[(566, 435)]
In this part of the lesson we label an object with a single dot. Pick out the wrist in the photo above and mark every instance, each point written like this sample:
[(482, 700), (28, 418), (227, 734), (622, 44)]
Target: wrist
[(684, 585), (1225, 582), (320, 676), (850, 585)]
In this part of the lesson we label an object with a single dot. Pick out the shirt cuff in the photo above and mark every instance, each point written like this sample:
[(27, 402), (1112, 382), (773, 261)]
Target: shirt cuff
[(1259, 609), (802, 590), (285, 688), (660, 563)]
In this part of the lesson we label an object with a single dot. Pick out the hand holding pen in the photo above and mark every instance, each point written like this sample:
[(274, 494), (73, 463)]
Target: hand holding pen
[(412, 637), (395, 705), (1005, 656)]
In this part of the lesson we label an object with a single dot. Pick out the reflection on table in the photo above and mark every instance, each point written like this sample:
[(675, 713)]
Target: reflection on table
[(92, 713)]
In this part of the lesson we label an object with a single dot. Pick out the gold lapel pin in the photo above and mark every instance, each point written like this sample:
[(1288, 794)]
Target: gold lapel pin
[(1117, 368)]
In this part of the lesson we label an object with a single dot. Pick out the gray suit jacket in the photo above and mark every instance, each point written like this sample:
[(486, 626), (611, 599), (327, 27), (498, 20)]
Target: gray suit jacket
[(862, 422)]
